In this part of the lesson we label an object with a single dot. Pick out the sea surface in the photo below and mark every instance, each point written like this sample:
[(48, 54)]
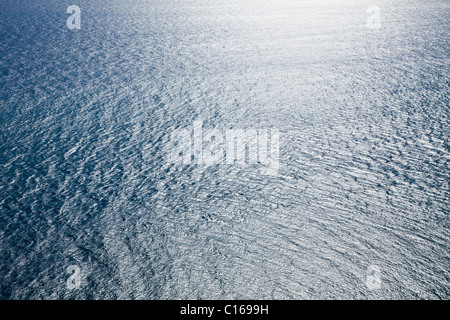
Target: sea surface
[(359, 208)]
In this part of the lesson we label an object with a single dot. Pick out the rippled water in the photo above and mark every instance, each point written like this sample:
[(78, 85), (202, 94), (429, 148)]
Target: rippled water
[(86, 119)]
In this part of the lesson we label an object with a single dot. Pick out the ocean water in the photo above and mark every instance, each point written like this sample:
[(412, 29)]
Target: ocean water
[(359, 207)]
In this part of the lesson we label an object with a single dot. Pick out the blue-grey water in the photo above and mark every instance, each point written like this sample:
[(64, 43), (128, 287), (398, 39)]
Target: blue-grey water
[(85, 126)]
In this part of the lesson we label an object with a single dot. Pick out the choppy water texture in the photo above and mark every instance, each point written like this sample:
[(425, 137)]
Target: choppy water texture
[(86, 118)]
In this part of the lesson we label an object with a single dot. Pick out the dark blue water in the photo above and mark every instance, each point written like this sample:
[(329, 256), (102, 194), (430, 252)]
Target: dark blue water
[(85, 129)]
